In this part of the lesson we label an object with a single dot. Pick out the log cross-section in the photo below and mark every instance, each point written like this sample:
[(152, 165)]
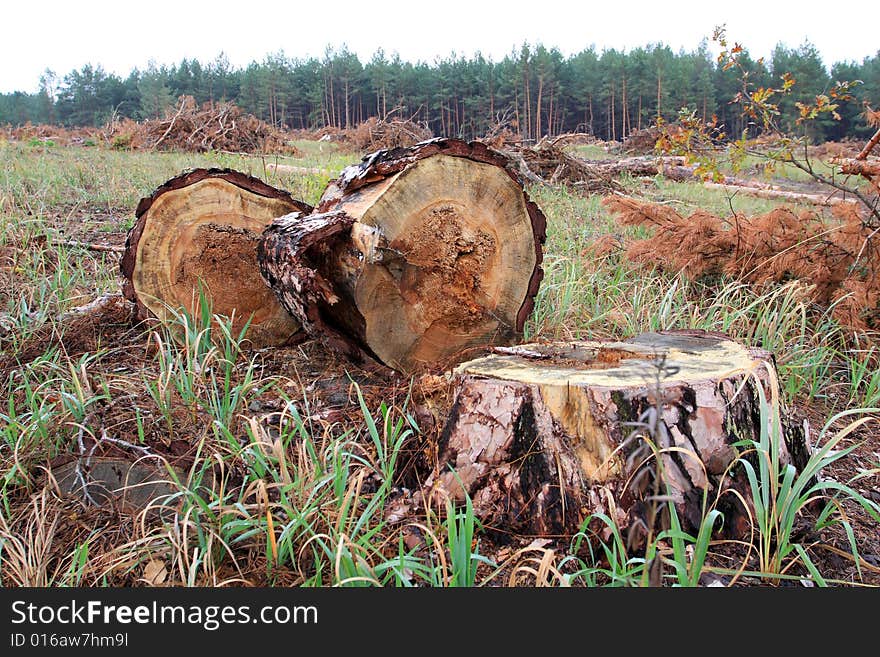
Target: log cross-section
[(427, 252), (197, 234)]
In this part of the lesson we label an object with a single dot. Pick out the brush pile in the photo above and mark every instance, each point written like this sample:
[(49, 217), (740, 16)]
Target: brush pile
[(376, 134), (50, 134), (642, 142), (546, 162), (196, 129)]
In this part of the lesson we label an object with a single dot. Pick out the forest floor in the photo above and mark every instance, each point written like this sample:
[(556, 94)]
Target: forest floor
[(285, 466)]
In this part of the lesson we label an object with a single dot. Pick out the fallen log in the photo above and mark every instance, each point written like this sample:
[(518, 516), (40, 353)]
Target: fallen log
[(198, 231), (89, 246), (768, 192), (413, 256), (541, 436)]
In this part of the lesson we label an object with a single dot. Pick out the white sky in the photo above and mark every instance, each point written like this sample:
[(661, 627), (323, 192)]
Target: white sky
[(121, 35)]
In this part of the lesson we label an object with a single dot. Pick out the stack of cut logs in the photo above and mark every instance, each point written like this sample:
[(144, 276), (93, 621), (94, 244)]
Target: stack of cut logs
[(419, 258)]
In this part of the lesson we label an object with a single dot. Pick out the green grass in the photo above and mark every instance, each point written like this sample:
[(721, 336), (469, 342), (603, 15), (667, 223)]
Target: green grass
[(289, 498)]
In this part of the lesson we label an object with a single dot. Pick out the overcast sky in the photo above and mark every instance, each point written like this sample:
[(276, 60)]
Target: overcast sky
[(122, 35)]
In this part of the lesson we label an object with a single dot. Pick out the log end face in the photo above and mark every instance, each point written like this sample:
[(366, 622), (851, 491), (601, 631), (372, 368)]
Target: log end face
[(195, 239), (459, 262)]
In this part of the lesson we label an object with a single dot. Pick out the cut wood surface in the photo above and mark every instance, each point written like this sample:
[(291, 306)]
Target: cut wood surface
[(200, 230), (128, 484), (543, 435), (413, 256)]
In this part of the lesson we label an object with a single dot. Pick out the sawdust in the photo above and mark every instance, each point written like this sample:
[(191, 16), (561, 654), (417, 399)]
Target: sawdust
[(446, 262), (224, 259)]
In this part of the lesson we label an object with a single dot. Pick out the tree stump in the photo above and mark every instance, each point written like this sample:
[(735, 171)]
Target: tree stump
[(413, 256), (542, 434), (200, 230)]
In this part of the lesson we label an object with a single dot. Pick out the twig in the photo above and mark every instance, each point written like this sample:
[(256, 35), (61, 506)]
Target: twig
[(869, 205), (122, 443), (78, 471), (110, 248), (171, 125)]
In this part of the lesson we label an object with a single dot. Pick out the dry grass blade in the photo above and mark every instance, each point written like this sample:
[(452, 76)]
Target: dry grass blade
[(26, 549)]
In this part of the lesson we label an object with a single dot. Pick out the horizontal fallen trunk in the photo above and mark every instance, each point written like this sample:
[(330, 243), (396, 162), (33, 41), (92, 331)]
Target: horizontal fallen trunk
[(196, 237), (542, 436), (778, 194), (412, 257)]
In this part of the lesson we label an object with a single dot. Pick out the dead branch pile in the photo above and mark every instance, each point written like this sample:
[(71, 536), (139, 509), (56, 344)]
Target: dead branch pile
[(50, 133), (839, 260), (375, 134), (209, 127), (831, 150), (502, 139), (641, 141), (766, 141), (327, 133), (644, 142), (548, 163)]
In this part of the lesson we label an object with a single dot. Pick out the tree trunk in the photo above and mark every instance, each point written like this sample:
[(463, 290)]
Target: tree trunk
[(412, 256), (201, 228), (613, 120), (542, 436)]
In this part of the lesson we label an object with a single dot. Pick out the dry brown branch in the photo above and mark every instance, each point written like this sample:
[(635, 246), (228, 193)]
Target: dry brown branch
[(838, 259), (184, 102), (110, 248)]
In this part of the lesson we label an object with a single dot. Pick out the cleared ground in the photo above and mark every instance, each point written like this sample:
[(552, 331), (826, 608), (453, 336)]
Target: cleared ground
[(285, 466)]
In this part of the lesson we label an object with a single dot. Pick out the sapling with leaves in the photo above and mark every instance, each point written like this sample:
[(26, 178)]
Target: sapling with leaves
[(767, 110)]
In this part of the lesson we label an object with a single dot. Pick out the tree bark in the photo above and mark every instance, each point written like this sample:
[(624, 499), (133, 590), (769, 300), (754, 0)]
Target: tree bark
[(200, 229), (862, 168), (413, 256), (542, 436)]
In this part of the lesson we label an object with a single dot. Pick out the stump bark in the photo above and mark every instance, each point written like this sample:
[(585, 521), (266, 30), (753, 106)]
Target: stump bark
[(198, 231), (541, 436), (413, 256)]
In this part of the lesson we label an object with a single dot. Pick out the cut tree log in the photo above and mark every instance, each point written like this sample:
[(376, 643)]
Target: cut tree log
[(543, 435), (413, 256), (763, 190), (198, 231)]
